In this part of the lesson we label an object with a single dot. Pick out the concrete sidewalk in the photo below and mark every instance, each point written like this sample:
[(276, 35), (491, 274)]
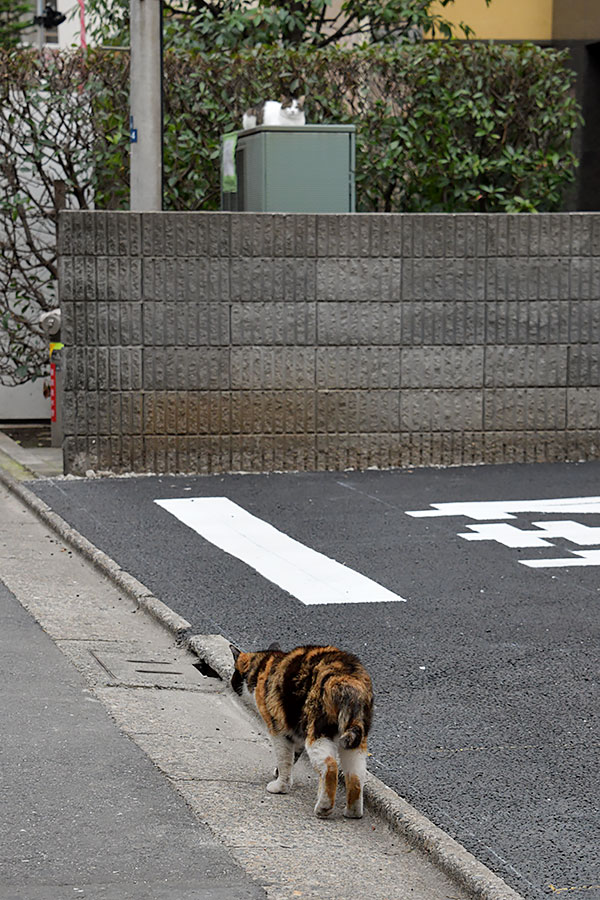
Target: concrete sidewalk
[(24, 462), (179, 810), (84, 811)]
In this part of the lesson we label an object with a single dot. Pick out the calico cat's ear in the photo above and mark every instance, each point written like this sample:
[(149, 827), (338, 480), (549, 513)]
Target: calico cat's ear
[(274, 646), (235, 652)]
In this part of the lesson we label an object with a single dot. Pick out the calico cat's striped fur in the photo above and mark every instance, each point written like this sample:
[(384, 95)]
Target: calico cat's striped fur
[(317, 697)]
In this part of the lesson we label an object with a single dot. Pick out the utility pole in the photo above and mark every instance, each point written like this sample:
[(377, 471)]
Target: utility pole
[(146, 131), (41, 33)]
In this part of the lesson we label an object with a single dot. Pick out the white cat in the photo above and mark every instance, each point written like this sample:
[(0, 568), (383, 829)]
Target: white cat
[(289, 111)]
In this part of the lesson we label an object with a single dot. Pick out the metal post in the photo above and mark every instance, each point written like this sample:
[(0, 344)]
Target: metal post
[(146, 104), (41, 31), (57, 366)]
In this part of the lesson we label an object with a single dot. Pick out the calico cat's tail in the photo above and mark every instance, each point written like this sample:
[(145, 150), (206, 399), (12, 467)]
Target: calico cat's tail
[(352, 737), (354, 716)]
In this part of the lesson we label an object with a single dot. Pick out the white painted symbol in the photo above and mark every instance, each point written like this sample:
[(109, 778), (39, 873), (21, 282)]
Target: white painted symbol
[(505, 509), (306, 574), (511, 536), (505, 534), (588, 558), (520, 537)]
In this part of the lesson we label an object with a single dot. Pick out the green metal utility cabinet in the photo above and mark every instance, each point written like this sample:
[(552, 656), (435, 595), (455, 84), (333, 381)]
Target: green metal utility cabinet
[(304, 169)]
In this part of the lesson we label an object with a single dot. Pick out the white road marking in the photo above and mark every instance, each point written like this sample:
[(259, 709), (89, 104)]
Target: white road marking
[(584, 535), (306, 574), (505, 534), (505, 509), (582, 558), (510, 536)]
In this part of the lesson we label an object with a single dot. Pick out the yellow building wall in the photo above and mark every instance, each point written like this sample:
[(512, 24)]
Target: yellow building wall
[(502, 20)]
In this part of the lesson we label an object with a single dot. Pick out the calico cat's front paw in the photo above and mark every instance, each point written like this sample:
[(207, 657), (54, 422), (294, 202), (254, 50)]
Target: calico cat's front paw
[(279, 786)]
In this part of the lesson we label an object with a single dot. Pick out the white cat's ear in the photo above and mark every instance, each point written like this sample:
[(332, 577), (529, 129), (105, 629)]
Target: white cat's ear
[(235, 652)]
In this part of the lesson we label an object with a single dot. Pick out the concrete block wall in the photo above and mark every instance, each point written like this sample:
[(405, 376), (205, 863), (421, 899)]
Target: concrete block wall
[(212, 342)]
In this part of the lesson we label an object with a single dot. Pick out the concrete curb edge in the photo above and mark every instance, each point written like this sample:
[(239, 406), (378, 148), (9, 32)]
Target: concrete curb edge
[(445, 852)]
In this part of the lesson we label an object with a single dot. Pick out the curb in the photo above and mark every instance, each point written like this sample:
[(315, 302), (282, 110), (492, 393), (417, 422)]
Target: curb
[(445, 852)]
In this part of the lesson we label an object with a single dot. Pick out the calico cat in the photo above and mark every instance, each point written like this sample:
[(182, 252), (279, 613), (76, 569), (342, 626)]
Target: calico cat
[(317, 697), (288, 111)]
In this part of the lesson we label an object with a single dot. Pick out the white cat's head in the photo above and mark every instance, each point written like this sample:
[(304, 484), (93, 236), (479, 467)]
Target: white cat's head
[(292, 109)]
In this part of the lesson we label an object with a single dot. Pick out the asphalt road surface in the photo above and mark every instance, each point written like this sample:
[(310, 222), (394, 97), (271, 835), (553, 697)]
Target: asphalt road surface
[(479, 623)]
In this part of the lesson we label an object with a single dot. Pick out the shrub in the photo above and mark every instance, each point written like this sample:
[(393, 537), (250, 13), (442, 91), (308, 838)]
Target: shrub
[(440, 127), (46, 145)]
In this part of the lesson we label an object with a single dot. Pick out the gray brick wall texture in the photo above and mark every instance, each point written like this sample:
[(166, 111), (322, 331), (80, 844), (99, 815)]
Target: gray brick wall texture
[(217, 342)]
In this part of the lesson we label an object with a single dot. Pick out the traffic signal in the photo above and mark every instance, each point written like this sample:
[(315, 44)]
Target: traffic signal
[(50, 18)]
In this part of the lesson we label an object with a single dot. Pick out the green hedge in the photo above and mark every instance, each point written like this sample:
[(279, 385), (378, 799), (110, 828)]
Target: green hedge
[(445, 126), (440, 126)]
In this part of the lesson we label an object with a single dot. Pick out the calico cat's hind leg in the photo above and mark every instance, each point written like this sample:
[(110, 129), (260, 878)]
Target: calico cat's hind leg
[(354, 767), (284, 754), (322, 754), (297, 755)]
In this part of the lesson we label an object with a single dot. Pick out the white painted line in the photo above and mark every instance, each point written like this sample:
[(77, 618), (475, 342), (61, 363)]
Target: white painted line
[(506, 509), (584, 535), (583, 558), (306, 574)]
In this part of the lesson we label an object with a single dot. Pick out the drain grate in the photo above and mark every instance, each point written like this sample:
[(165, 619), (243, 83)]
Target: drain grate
[(153, 671)]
